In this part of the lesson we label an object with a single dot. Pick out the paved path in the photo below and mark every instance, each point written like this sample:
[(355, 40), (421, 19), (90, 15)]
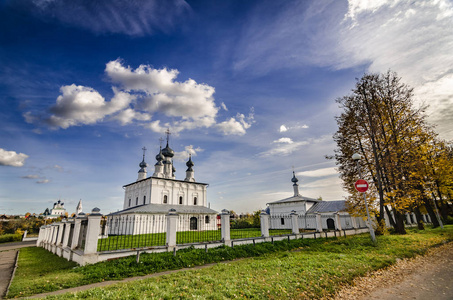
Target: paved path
[(420, 278), (8, 252)]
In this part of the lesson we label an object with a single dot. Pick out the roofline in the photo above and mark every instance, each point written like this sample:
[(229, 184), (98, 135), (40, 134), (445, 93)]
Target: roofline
[(177, 180), (295, 200)]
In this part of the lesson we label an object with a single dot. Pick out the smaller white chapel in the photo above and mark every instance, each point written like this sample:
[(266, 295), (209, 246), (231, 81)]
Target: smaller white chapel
[(307, 210), (149, 199)]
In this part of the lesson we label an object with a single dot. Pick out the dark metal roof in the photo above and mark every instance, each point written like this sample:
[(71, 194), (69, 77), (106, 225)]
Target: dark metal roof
[(297, 198), (328, 206), (165, 179), (164, 208)]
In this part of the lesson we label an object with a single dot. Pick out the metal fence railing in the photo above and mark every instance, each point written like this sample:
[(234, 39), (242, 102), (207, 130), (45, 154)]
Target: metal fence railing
[(131, 232), (197, 228)]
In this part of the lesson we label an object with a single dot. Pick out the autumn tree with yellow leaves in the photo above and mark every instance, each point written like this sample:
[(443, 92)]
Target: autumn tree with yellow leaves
[(401, 156)]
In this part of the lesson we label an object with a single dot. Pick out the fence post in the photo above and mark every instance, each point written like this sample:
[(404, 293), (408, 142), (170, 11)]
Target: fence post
[(225, 227), (318, 222), (338, 221), (76, 233), (172, 218), (353, 222), (53, 241), (45, 240), (93, 228), (264, 220), (424, 218), (294, 221), (408, 219), (67, 231)]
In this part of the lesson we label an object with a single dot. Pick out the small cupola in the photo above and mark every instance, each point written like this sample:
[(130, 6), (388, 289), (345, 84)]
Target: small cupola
[(294, 180), (142, 172), (189, 171)]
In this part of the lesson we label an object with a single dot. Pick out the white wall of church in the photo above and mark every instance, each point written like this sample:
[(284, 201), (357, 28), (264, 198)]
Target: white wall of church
[(287, 208), (158, 190)]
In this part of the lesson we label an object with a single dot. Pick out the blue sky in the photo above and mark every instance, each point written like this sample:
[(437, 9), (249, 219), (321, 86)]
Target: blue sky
[(247, 87)]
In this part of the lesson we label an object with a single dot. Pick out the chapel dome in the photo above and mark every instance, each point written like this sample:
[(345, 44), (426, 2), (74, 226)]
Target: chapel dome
[(189, 164), (168, 152), (294, 179)]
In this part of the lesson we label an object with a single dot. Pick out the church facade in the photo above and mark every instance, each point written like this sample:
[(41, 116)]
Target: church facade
[(149, 199), (332, 214), (57, 211)]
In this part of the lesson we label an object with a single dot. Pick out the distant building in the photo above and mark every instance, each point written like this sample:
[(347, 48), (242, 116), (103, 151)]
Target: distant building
[(57, 211), (149, 199)]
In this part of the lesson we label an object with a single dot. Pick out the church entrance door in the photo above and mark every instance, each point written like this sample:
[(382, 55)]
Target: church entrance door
[(330, 223), (193, 223)]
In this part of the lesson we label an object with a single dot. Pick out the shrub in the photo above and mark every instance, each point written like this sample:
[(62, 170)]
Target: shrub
[(10, 238)]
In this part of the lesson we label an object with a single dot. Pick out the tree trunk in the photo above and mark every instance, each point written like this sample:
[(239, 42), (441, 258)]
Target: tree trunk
[(399, 219), (419, 217)]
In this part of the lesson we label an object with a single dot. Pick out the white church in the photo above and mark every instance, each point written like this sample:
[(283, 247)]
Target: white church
[(307, 209), (149, 199)]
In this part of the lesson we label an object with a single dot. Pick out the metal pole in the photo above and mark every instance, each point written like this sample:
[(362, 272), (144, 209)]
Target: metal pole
[(373, 237)]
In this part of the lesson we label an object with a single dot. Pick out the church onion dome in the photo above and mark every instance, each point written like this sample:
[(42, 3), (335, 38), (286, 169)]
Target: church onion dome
[(294, 179), (168, 152), (143, 164), (159, 157), (190, 164)]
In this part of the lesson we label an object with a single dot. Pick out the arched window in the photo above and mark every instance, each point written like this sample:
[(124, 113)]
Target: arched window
[(193, 223), (136, 201), (180, 199), (165, 199), (129, 202), (206, 219), (195, 201), (330, 223), (144, 199)]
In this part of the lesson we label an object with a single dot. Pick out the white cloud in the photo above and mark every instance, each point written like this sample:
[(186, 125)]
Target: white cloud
[(223, 106), (136, 18), (188, 150), (286, 146), (237, 125), (413, 38), (12, 158), (141, 95), (284, 149), (285, 128), (30, 177), (83, 105), (318, 173), (284, 140), (128, 115), (44, 181), (181, 99)]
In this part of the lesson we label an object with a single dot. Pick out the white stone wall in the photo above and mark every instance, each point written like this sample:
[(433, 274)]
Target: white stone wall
[(154, 189), (287, 208)]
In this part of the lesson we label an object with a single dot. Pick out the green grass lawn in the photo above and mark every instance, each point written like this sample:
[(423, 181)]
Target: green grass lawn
[(284, 270)]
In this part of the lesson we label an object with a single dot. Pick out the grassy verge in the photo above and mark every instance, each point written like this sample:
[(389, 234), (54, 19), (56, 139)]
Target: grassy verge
[(295, 269)]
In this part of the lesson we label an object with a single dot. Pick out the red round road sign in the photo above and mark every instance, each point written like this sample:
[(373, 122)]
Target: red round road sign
[(361, 185)]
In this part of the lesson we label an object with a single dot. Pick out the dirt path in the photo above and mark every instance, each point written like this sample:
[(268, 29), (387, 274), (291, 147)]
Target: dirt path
[(423, 277)]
